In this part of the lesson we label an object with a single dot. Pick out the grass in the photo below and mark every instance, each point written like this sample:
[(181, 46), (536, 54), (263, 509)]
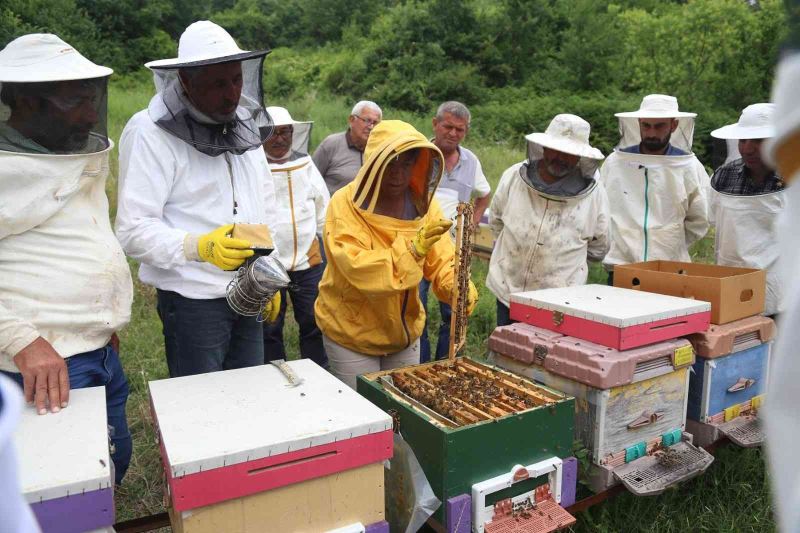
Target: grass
[(733, 496)]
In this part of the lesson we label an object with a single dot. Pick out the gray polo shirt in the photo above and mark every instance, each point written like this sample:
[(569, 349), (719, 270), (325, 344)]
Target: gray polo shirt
[(338, 160)]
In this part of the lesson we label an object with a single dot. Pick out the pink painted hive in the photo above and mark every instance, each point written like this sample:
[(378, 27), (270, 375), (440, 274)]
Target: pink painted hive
[(603, 367), (231, 434), (523, 342), (722, 340), (617, 318)]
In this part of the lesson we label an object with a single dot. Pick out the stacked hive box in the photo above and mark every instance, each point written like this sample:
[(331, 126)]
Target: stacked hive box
[(65, 465), (729, 380), (244, 451), (615, 351), (487, 465)]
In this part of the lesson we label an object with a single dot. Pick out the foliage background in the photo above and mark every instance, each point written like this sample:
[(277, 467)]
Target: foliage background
[(516, 63)]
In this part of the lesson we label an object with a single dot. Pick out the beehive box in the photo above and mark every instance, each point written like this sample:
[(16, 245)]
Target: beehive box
[(475, 445), (245, 449), (729, 381), (483, 240), (617, 318), (629, 405), (65, 466), (733, 292)]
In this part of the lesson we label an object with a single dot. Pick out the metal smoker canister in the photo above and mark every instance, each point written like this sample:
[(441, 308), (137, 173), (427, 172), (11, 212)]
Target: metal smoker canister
[(255, 283)]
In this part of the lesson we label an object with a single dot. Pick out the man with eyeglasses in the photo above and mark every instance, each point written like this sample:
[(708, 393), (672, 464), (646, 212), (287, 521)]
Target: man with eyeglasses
[(65, 286), (339, 156), (462, 180), (296, 226)]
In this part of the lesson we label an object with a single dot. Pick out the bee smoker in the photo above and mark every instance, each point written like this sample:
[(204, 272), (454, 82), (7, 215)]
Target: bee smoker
[(255, 283)]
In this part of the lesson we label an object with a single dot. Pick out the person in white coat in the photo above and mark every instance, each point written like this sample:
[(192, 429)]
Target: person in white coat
[(783, 432), (745, 200), (301, 198), (549, 215), (655, 185), (191, 166), (65, 286)]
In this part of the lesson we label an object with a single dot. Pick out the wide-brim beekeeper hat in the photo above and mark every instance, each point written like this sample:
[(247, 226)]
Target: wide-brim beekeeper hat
[(43, 57), (657, 106), (754, 123), (565, 133), (46, 58), (205, 43)]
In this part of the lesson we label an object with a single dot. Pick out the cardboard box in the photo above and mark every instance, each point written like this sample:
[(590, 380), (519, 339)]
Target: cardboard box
[(733, 292)]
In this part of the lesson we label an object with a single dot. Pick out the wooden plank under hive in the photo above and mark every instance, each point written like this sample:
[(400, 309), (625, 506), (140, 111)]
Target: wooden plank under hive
[(487, 421)]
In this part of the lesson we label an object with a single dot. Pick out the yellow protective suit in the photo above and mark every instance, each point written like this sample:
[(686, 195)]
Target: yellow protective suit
[(368, 297)]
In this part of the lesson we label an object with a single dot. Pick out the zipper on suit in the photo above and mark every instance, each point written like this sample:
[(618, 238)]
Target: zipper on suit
[(646, 209), (294, 226), (536, 244), (233, 188), (403, 318)]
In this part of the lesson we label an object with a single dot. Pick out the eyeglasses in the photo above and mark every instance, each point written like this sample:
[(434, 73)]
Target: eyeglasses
[(68, 103), (366, 121)]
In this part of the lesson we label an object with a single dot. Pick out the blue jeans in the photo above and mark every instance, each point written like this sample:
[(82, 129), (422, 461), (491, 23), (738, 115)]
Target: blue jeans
[(206, 335), (102, 368), (304, 291), (503, 318), (443, 343)]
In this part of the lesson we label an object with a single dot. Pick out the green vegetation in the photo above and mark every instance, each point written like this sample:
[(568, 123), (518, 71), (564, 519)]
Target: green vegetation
[(516, 63)]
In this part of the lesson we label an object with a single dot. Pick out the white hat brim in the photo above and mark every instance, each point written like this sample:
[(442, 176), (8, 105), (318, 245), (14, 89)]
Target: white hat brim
[(202, 60), (735, 131), (292, 122), (655, 114), (50, 70), (564, 145)]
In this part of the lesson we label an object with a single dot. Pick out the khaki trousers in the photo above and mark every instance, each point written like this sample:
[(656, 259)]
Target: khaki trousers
[(347, 365)]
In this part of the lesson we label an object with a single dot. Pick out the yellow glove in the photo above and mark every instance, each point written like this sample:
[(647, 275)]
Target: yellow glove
[(472, 298), (222, 251), (428, 235), (272, 309)]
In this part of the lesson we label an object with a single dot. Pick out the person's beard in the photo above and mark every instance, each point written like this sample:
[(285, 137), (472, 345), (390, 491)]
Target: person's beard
[(655, 144)]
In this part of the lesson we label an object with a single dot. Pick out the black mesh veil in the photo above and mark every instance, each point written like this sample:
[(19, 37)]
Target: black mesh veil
[(245, 129), (54, 117)]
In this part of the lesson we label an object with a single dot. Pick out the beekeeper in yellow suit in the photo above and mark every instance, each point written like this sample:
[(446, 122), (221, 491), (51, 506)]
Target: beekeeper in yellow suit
[(383, 234)]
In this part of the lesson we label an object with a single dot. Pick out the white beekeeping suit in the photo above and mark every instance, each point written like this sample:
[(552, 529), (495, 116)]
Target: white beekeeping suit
[(783, 431), (658, 202), (546, 233), (63, 275), (746, 224), (301, 194)]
